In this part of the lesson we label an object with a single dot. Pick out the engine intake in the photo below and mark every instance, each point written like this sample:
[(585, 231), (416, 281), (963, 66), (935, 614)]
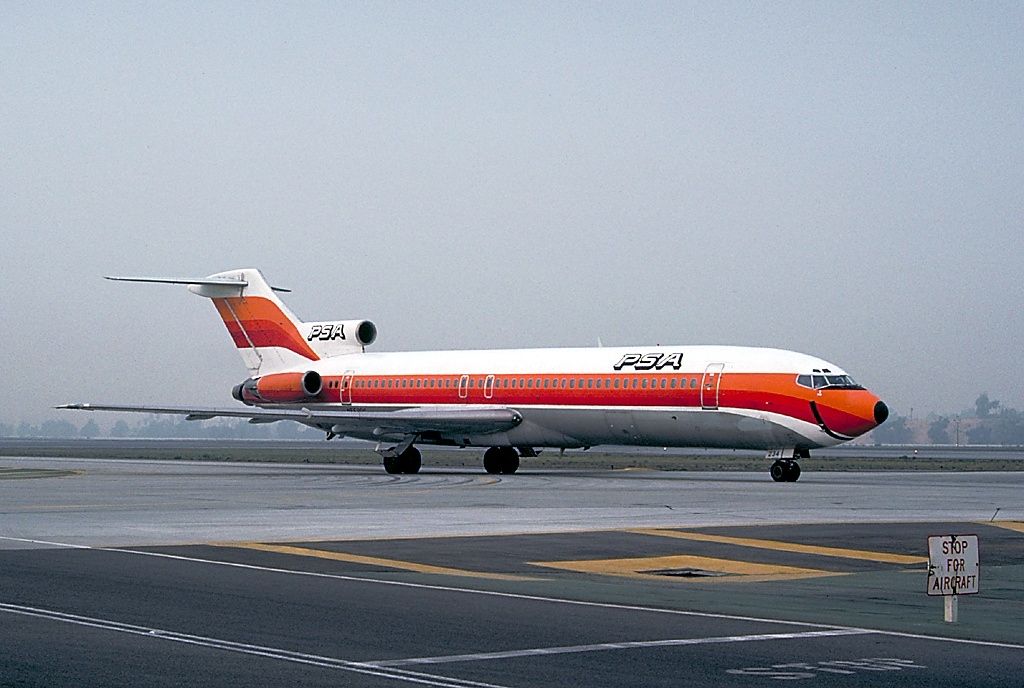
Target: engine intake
[(366, 332)]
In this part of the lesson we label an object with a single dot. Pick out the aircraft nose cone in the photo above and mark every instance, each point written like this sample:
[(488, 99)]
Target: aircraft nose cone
[(881, 412)]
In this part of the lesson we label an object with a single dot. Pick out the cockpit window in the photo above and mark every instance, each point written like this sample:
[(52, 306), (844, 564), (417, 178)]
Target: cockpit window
[(821, 381)]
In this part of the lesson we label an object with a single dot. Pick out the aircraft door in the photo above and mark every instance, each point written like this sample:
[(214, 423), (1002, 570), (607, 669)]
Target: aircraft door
[(346, 386), (489, 387), (710, 385)]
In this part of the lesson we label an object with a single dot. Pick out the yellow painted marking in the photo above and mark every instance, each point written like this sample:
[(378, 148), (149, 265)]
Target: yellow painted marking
[(378, 561), (642, 567), (865, 555), (1008, 525)]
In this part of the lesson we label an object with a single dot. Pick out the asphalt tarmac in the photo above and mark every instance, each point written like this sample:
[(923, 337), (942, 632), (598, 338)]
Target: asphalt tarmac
[(165, 573)]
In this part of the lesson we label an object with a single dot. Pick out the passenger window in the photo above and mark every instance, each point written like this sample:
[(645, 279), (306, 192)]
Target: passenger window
[(546, 382), (513, 383), (693, 383), (590, 383), (572, 384), (598, 383), (663, 383), (521, 382), (616, 383), (672, 385), (563, 383), (529, 383), (643, 384)]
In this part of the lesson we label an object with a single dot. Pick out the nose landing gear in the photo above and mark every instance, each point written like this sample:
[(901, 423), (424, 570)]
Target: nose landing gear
[(785, 471)]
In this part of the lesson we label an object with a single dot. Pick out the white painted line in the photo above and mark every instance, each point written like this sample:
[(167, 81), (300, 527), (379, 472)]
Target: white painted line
[(46, 542), (245, 648), (532, 598), (600, 647)]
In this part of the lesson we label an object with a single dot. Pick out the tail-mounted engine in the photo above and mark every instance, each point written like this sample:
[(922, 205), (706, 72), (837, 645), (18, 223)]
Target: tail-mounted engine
[(279, 388), (338, 337)]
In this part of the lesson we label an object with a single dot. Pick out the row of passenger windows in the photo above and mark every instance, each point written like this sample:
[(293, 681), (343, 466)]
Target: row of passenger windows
[(528, 383)]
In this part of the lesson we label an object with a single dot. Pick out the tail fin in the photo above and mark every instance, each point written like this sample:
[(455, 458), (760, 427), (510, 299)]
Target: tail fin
[(269, 337)]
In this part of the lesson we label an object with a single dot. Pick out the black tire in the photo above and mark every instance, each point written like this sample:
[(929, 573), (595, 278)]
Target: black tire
[(392, 464), (778, 472), (492, 460), (509, 461), (410, 460), (792, 471)]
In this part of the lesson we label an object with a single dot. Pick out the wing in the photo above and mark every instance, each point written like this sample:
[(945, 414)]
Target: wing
[(463, 420)]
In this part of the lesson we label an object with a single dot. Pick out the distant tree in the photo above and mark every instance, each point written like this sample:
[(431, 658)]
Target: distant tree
[(893, 431), (120, 429), (980, 434), (296, 431), (27, 430), (938, 431), (57, 428), (90, 429), (983, 406), (1009, 427)]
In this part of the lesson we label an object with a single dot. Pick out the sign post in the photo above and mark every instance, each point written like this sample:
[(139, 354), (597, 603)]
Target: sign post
[(953, 569)]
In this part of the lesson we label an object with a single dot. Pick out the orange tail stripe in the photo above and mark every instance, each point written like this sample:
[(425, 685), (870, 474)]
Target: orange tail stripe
[(263, 322)]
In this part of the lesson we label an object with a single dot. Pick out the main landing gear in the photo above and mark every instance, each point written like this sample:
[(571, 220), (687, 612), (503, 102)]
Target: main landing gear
[(409, 461), (503, 460)]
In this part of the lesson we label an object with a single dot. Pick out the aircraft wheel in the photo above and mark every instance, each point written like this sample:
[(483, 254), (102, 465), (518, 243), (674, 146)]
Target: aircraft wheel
[(509, 461), (410, 460), (792, 471), (392, 464), (778, 472), (492, 460)]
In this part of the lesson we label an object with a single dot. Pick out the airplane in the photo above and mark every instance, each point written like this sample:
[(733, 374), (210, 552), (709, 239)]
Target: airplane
[(514, 402)]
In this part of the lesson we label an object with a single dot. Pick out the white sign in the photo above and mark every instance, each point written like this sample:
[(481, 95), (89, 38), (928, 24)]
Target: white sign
[(953, 565)]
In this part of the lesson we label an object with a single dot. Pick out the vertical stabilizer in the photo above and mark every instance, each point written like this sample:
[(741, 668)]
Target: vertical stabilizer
[(267, 335)]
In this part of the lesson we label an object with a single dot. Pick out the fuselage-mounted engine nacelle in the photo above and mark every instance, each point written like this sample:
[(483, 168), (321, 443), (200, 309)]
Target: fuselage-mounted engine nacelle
[(280, 388), (337, 337)]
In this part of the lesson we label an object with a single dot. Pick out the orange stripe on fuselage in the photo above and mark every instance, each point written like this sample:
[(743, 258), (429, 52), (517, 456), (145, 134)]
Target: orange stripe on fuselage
[(264, 324)]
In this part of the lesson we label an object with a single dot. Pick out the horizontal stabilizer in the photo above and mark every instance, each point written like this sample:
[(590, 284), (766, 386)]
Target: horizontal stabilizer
[(204, 281)]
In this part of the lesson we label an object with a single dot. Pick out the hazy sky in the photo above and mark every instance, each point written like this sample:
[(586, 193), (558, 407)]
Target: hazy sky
[(843, 181)]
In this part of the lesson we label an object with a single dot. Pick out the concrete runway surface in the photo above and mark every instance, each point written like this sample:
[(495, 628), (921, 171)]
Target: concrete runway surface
[(173, 573)]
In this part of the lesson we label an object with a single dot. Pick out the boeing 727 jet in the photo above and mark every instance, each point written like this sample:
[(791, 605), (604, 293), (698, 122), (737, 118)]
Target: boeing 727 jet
[(514, 402)]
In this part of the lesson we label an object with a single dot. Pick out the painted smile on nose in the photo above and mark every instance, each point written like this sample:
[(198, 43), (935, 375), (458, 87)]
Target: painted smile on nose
[(881, 412)]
